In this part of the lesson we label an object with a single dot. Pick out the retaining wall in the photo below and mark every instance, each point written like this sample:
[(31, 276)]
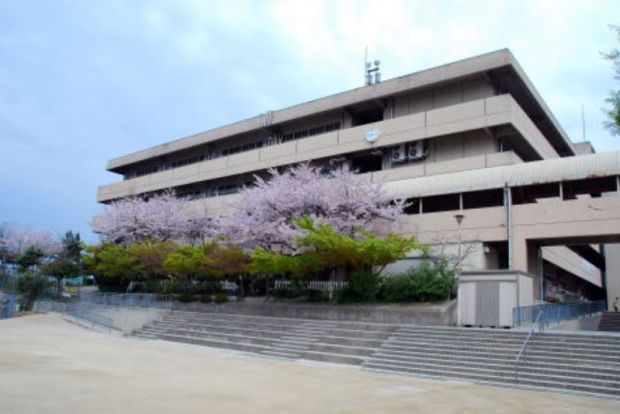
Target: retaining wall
[(442, 313)]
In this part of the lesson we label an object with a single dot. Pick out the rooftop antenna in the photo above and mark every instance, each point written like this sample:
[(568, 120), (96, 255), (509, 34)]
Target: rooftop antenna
[(583, 123), (371, 74), (365, 65)]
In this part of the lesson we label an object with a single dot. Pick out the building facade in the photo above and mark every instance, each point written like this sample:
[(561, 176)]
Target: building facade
[(472, 138)]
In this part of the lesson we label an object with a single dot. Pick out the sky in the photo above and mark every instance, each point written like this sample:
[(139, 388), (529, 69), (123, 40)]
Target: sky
[(82, 82)]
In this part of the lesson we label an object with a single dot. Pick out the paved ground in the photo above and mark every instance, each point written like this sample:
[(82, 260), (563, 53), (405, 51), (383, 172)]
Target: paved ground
[(50, 366)]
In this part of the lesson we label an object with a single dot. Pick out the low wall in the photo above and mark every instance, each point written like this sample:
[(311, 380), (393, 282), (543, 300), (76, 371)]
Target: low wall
[(587, 323), (442, 313), (128, 319)]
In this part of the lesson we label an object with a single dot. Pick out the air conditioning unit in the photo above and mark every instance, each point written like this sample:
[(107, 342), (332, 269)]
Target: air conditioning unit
[(399, 154), (417, 150)]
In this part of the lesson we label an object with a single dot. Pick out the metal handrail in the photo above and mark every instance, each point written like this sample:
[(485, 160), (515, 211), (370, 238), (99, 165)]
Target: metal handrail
[(556, 312), (524, 346)]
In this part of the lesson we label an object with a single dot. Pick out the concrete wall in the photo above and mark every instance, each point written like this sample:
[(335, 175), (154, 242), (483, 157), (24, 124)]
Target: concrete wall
[(449, 94), (131, 319)]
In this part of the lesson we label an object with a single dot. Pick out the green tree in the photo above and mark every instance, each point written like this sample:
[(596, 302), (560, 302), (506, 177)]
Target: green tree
[(271, 263), (72, 246), (112, 265), (613, 101), (30, 258), (68, 263), (324, 247), (151, 257), (364, 252), (209, 260), (186, 263), (227, 261)]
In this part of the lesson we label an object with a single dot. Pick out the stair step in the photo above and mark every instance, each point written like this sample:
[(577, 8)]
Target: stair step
[(562, 361), (491, 379), (280, 354)]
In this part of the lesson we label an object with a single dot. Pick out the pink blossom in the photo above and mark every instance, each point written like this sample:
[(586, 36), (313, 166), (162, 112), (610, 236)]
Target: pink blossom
[(262, 216), (161, 217), (14, 240)]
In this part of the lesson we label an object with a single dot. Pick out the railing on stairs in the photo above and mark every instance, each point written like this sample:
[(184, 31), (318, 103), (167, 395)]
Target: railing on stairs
[(91, 307), (554, 312), (85, 312), (537, 324)]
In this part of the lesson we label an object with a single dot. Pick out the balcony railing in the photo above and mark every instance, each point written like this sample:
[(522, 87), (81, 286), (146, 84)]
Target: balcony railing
[(554, 313)]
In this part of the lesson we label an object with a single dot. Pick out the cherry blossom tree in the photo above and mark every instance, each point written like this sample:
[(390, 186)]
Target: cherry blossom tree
[(15, 240), (159, 218), (263, 215)]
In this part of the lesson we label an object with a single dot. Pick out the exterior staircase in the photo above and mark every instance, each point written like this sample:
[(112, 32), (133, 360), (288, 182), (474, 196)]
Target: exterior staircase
[(610, 321), (568, 362)]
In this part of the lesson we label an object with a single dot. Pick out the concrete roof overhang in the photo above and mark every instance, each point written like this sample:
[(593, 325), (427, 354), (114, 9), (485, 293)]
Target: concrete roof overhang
[(535, 172), (500, 66)]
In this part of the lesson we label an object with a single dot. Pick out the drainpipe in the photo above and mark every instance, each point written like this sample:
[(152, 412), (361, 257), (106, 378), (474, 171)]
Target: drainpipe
[(508, 203), (542, 274)]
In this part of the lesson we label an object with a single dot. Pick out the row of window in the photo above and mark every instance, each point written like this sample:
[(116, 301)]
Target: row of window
[(241, 148), (218, 191), (308, 132), (528, 194), (321, 129), (186, 161)]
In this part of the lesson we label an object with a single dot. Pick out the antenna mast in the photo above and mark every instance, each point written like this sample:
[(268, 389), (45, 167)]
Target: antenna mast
[(369, 70)]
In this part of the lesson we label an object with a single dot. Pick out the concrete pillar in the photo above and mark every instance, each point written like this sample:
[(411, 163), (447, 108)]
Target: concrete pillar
[(525, 258), (612, 273), (534, 267), (519, 254)]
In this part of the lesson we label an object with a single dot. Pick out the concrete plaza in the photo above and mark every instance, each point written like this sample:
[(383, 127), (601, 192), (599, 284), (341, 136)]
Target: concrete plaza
[(48, 365)]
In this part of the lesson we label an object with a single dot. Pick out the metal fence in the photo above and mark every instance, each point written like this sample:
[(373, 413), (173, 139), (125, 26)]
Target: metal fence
[(553, 313), (320, 285), (144, 300), (90, 307), (7, 306), (83, 311)]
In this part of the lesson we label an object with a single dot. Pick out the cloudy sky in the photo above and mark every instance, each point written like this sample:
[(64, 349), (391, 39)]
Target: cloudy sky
[(83, 81)]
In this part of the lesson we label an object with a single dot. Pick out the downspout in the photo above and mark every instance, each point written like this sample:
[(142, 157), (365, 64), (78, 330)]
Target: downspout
[(541, 274), (508, 203)]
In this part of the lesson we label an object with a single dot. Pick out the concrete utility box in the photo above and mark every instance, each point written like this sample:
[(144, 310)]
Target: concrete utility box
[(487, 297)]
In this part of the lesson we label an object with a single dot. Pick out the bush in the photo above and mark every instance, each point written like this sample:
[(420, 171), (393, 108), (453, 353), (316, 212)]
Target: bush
[(364, 286), (316, 296), (399, 288), (32, 285), (426, 283), (206, 298), (186, 297), (221, 298)]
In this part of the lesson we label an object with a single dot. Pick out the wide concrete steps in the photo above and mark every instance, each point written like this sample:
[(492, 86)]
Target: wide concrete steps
[(610, 322), (582, 363), (338, 342)]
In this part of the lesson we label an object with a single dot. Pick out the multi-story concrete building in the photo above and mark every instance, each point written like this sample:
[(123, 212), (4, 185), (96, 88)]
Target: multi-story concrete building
[(471, 138)]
